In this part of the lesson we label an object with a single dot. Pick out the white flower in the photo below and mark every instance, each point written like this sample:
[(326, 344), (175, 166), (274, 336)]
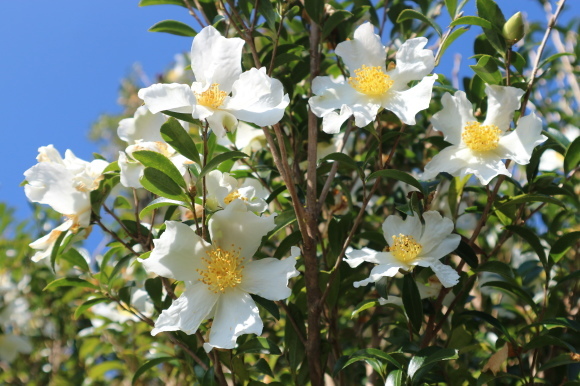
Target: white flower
[(372, 85), (65, 185), (220, 277), (479, 148), (411, 243), (142, 132), (12, 345), (216, 64), (248, 139), (222, 189)]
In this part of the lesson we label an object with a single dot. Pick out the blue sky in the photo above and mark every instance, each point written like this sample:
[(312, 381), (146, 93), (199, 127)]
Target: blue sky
[(62, 62)]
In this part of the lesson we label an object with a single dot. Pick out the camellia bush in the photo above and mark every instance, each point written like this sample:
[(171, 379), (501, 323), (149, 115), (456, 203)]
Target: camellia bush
[(306, 197)]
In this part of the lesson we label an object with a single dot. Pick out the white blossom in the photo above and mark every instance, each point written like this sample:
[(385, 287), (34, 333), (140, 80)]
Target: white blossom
[(222, 189)]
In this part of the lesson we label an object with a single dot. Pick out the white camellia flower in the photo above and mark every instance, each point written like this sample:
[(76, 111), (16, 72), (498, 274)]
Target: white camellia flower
[(142, 132), (372, 85), (479, 148), (216, 65), (65, 185), (220, 277), (222, 189), (410, 244)]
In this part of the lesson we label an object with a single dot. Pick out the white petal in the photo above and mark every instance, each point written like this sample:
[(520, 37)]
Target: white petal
[(435, 230), (236, 226), (413, 62), (366, 48), (144, 126), (332, 95), (269, 277), (130, 171), (188, 311), (257, 98), (364, 113), (502, 101), (45, 244), (406, 104), (456, 112), (519, 144), (395, 226), (48, 154), (174, 97), (445, 246), (486, 168), (215, 191), (216, 59), (177, 254), (355, 257), (382, 270), (446, 275), (235, 314), (222, 121), (332, 121), (453, 160)]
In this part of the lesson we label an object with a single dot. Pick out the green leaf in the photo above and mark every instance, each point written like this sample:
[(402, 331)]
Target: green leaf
[(88, 304), (154, 288), (425, 359), (521, 199), (120, 265), (259, 345), (489, 10), (145, 3), (266, 9), (467, 253), (345, 160), (173, 27), (408, 14), (159, 203), (447, 42), (161, 184), (533, 240), (563, 245), (314, 9), (158, 161), (150, 364), (69, 282), (268, 305), (397, 175), (487, 70), (339, 16), (469, 315), (176, 136), (471, 20), (560, 360), (514, 289), (366, 354), (572, 157), (365, 305), (56, 248), (97, 372), (497, 267), (112, 167), (412, 302), (181, 116), (74, 257), (451, 6), (218, 159), (554, 57)]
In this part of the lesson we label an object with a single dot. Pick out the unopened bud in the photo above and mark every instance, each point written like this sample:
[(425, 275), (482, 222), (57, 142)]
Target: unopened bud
[(513, 29)]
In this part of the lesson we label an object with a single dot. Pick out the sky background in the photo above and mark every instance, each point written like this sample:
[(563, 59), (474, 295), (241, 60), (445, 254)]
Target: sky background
[(61, 65)]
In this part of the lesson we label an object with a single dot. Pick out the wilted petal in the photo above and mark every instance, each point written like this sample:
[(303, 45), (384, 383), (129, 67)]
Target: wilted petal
[(456, 112), (144, 126), (366, 48), (332, 121), (413, 62), (235, 314), (519, 144), (395, 226), (269, 277), (446, 275), (502, 101), (406, 104), (188, 311), (174, 97), (177, 254)]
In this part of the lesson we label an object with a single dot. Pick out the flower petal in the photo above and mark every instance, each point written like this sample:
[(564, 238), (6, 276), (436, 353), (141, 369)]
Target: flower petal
[(238, 227), (235, 314), (442, 248), (174, 97), (446, 275), (382, 270), (331, 94), (144, 126), (366, 48), (332, 121), (45, 244), (221, 122), (130, 171), (216, 59), (364, 113), (502, 101), (453, 160), (456, 112), (406, 104), (177, 254), (436, 229), (269, 277), (257, 98), (519, 144), (413, 62), (487, 168), (395, 226), (355, 257), (188, 311)]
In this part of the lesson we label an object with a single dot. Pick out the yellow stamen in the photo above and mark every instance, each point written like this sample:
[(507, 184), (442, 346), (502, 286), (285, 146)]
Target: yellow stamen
[(372, 81), (212, 97), (479, 137), (232, 196), (224, 269), (405, 248)]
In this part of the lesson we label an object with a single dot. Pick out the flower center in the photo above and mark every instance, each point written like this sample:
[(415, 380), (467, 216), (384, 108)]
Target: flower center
[(232, 196), (212, 97), (372, 81), (405, 248), (224, 269), (480, 138)]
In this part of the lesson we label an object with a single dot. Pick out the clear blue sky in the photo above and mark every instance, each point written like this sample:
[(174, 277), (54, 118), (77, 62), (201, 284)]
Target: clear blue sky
[(62, 62)]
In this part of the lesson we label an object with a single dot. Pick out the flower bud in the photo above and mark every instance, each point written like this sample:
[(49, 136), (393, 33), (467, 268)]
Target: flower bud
[(513, 29)]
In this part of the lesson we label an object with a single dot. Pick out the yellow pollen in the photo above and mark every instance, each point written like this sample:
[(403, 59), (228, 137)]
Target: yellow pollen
[(479, 137), (405, 248), (232, 196), (372, 81), (224, 269), (212, 97)]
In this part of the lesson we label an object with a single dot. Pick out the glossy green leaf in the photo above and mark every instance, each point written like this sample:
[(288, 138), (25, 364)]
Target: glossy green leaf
[(448, 41), (425, 359), (161, 184), (409, 14), (145, 3), (365, 305), (158, 161), (314, 9), (159, 203), (98, 371), (218, 159), (333, 21), (56, 248), (176, 136), (397, 175), (451, 6), (173, 27), (259, 345), (469, 315), (88, 304), (560, 360), (69, 282), (517, 291), (269, 12), (268, 305), (498, 267), (572, 157), (563, 245), (551, 58), (471, 20), (344, 160), (412, 302), (466, 252), (395, 378), (150, 364), (74, 257), (525, 198), (487, 70), (365, 354), (533, 240)]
